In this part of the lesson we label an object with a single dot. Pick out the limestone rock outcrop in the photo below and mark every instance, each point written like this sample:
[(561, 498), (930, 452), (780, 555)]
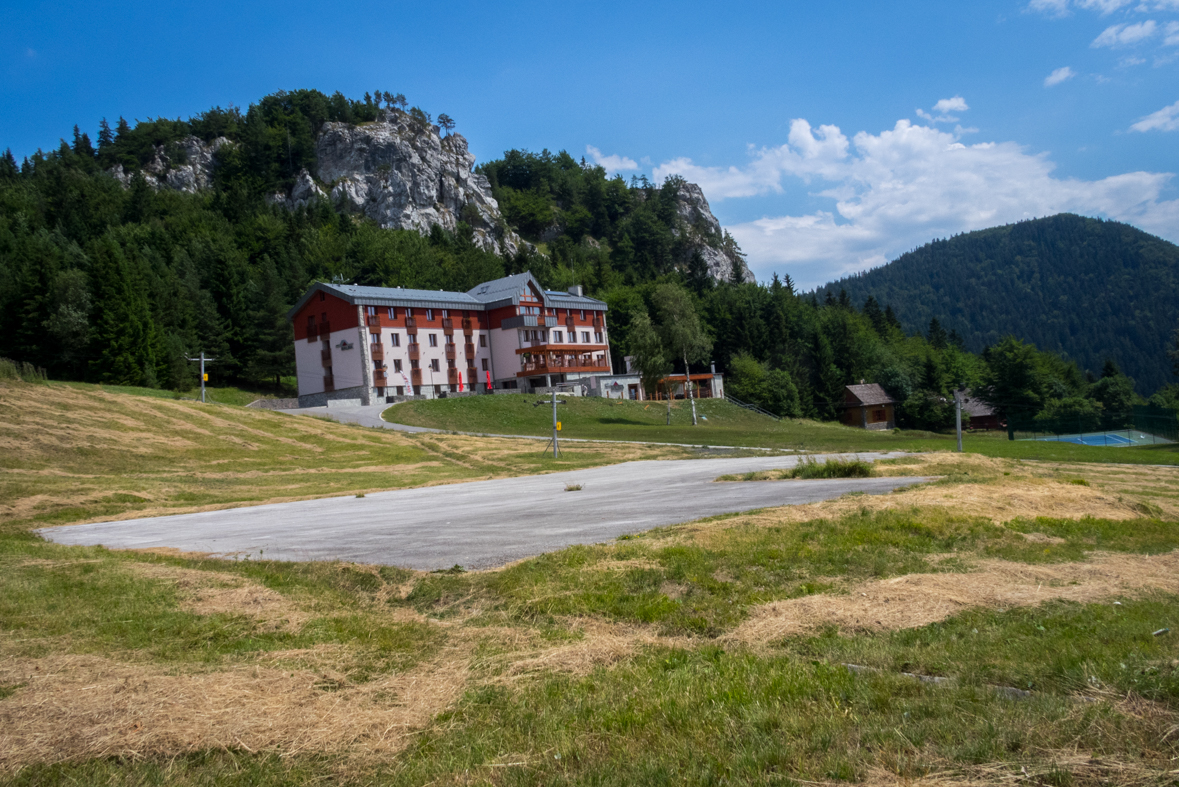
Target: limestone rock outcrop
[(705, 235), (189, 168), (403, 175)]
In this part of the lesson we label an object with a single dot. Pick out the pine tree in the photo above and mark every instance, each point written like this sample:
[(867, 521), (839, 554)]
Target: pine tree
[(1110, 369), (8, 168), (937, 335), (105, 137), (123, 342), (875, 315)]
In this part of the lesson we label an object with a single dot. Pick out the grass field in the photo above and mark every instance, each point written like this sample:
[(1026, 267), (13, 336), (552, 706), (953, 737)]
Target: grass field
[(708, 653), (595, 418)]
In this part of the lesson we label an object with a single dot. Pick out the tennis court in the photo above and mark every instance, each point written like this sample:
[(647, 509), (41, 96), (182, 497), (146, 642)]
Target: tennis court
[(1124, 438)]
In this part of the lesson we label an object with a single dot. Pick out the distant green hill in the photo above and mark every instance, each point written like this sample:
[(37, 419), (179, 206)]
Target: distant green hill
[(1087, 288)]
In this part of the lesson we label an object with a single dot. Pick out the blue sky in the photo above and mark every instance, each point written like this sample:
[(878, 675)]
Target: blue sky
[(800, 121)]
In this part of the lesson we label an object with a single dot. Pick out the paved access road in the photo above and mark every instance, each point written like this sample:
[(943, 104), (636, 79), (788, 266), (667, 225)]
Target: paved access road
[(480, 524)]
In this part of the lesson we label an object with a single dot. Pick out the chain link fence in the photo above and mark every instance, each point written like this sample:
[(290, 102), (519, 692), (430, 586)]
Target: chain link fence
[(1143, 425)]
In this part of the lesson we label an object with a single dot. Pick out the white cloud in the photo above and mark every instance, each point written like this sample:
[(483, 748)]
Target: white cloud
[(611, 163), (1049, 7), (955, 104), (1166, 119), (1058, 76), (1126, 35), (943, 109), (1106, 7), (1171, 31), (900, 188)]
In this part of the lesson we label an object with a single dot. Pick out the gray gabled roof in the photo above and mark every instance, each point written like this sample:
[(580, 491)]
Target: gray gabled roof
[(870, 394), (489, 295)]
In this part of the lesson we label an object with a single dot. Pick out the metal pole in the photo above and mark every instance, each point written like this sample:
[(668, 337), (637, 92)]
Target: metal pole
[(958, 416), (202, 376), (554, 393)]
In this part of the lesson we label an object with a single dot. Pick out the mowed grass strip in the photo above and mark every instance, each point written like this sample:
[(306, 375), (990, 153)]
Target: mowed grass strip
[(725, 424)]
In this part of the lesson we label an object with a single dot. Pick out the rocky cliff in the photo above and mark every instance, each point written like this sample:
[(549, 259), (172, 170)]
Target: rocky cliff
[(705, 235), (396, 171)]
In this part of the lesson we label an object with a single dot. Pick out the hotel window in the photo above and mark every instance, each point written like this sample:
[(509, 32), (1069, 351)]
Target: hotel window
[(558, 337), (583, 314), (434, 364), (414, 365), (598, 337), (429, 315), (482, 340), (395, 339), (450, 364), (485, 365), (375, 337), (322, 297), (449, 338), (433, 340), (413, 338), (408, 312), (392, 312), (372, 311), (397, 366), (445, 313), (585, 337)]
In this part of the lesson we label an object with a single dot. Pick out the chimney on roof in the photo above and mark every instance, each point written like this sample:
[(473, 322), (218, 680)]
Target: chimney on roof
[(861, 381), (575, 290)]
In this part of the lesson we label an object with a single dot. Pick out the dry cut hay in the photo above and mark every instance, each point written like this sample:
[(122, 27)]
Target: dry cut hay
[(82, 707), (601, 644), (917, 600), (214, 593)]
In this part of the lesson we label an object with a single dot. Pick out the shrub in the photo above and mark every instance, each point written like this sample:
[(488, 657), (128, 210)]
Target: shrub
[(21, 372)]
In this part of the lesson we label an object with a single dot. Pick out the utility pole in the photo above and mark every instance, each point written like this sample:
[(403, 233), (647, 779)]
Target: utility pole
[(958, 416), (204, 376), (556, 445)]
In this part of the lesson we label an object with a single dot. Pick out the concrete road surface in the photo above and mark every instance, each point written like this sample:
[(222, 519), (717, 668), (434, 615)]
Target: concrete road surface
[(480, 524)]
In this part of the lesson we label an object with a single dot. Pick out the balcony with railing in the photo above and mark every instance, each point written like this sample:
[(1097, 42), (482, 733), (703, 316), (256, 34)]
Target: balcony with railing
[(411, 325), (380, 378), (452, 376), (562, 363), (415, 376), (374, 320), (467, 327), (469, 351), (325, 357), (312, 333), (450, 352), (597, 321), (415, 352), (378, 351), (447, 326)]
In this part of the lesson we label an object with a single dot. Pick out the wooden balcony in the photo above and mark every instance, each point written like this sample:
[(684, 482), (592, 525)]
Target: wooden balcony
[(380, 379), (329, 382), (378, 351), (597, 322), (447, 326), (411, 325), (415, 352), (450, 352), (467, 327), (469, 351), (415, 376), (472, 377), (312, 333), (563, 365), (452, 376), (374, 320), (325, 357)]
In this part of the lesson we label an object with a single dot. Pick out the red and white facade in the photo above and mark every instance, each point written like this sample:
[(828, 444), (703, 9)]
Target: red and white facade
[(374, 343)]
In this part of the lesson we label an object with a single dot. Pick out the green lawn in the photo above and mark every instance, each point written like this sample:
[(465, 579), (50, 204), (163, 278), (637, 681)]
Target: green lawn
[(596, 418)]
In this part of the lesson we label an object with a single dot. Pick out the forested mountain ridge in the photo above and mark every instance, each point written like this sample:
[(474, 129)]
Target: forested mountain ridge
[(1086, 288)]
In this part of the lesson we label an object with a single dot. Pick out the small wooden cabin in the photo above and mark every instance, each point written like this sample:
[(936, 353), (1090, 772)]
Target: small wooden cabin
[(982, 415), (868, 407)]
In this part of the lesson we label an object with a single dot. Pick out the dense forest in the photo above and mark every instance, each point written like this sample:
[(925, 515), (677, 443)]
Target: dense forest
[(1082, 287), (119, 284)]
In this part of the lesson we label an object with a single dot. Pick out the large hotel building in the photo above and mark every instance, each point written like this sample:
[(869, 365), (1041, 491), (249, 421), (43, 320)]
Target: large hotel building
[(374, 343)]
